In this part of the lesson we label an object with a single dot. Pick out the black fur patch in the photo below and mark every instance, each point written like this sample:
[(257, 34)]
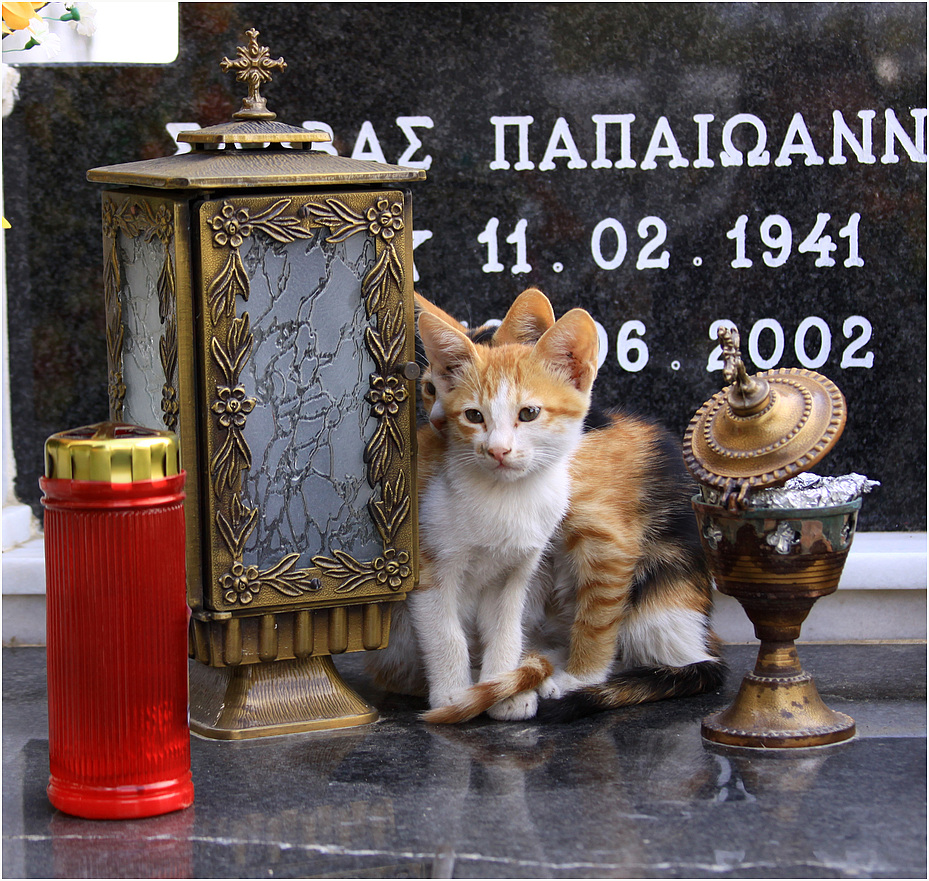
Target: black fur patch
[(675, 524), (681, 525), (596, 419), (637, 686), (482, 335)]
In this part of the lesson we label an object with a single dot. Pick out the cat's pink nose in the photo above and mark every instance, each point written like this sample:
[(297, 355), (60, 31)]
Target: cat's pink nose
[(499, 453)]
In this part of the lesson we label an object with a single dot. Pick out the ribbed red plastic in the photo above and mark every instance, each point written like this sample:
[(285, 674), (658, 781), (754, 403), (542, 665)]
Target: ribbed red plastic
[(119, 741)]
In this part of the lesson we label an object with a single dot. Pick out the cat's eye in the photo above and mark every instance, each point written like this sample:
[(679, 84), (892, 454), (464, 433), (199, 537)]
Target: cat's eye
[(527, 414), (474, 416), (429, 388)]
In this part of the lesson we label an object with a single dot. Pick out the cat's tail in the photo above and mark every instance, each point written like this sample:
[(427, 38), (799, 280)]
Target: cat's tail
[(481, 697), (638, 685)]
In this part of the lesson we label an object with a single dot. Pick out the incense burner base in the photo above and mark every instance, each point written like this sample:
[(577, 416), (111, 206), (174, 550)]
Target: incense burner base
[(772, 713)]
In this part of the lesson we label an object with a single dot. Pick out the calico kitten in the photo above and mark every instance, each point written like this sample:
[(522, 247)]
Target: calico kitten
[(627, 580), (493, 488)]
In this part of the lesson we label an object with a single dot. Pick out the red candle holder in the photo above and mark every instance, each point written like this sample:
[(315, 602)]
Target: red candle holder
[(119, 741)]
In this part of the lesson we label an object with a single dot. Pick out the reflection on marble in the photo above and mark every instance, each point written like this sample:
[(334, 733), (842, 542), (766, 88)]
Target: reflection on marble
[(632, 793), (309, 371), (141, 262)]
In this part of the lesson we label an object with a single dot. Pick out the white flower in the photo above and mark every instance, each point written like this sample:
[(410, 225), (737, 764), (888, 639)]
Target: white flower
[(42, 36), (84, 21), (10, 91)]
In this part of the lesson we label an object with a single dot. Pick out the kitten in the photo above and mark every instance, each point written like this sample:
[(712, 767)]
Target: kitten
[(493, 487), (627, 579)]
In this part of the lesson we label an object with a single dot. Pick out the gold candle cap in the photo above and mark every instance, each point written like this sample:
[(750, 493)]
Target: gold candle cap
[(763, 429), (111, 452)]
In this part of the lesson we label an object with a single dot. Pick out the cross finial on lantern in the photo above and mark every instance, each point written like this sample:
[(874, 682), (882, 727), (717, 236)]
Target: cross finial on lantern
[(253, 65)]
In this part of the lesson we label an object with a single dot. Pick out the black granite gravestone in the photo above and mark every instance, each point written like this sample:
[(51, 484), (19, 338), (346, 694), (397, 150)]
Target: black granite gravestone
[(666, 166)]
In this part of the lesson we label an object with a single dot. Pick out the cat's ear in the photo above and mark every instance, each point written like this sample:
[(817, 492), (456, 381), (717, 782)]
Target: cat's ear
[(572, 345), (527, 319), (447, 349), (424, 305)]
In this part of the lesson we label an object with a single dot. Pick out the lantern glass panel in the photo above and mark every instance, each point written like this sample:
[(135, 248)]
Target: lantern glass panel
[(143, 316), (309, 373), (308, 415)]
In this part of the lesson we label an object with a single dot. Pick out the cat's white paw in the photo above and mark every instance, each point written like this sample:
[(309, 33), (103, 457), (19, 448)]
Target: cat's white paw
[(511, 709), (559, 684)]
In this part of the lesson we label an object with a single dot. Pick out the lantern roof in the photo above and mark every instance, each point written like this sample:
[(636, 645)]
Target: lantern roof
[(254, 149), (251, 168)]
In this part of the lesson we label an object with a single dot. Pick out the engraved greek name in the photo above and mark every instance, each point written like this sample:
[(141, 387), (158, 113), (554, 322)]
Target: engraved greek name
[(501, 124), (368, 145), (742, 140)]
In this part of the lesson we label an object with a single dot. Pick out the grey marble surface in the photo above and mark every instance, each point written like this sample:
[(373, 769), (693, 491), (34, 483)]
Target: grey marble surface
[(633, 793)]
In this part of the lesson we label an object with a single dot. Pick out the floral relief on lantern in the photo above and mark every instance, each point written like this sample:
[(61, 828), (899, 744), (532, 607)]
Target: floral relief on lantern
[(167, 350), (240, 583), (380, 221), (385, 219), (392, 568), (386, 396), (231, 408), (231, 227), (139, 219), (231, 340)]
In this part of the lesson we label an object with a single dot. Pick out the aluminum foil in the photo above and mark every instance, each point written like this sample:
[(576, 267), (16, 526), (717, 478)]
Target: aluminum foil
[(812, 491), (803, 491)]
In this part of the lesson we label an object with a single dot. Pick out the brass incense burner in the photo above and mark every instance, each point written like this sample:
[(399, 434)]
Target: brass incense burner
[(776, 562), (259, 303)]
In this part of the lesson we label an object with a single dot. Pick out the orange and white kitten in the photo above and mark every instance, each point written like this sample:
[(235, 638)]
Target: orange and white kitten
[(494, 486), (626, 580)]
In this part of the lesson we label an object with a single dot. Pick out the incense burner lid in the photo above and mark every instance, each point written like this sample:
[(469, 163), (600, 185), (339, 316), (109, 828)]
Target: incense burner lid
[(763, 429)]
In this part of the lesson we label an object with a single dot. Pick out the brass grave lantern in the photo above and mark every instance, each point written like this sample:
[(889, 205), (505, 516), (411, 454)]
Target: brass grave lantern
[(758, 432), (258, 301)]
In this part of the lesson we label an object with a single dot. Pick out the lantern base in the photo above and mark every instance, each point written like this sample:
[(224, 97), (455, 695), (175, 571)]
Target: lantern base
[(272, 698), (772, 712)]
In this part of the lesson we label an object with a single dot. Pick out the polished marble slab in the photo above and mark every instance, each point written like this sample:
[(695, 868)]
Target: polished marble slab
[(631, 793), (633, 199)]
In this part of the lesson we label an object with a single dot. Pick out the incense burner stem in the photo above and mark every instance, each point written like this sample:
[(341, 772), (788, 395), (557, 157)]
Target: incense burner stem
[(777, 564)]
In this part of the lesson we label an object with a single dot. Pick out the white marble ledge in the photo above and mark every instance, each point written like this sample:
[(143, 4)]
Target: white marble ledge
[(24, 568), (877, 561), (886, 560), (19, 525), (882, 595)]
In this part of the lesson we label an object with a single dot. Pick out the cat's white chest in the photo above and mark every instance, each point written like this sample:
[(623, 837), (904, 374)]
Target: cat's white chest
[(521, 516)]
